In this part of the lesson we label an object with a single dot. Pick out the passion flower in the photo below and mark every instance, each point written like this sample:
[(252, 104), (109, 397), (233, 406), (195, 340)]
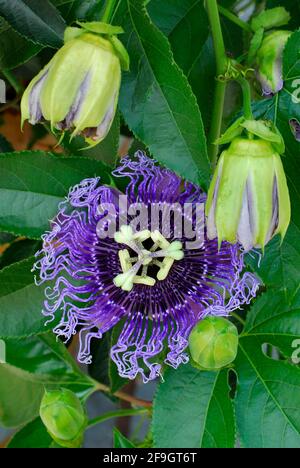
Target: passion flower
[(149, 279)]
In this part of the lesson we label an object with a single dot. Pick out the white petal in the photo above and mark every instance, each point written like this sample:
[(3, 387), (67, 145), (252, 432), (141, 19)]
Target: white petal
[(246, 229), (35, 110)]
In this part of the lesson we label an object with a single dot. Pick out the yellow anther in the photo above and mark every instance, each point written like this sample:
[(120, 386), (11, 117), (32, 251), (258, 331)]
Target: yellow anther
[(124, 281), (161, 249), (124, 258), (159, 239), (146, 280), (124, 236), (142, 236), (165, 269)]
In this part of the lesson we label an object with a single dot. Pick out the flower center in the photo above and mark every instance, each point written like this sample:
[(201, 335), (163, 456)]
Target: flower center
[(135, 270)]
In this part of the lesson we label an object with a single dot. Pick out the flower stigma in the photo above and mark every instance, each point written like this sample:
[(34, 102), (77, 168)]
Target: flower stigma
[(135, 270)]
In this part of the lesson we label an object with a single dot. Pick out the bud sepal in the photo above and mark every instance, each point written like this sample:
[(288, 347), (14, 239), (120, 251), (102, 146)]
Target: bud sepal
[(213, 343), (78, 89), (64, 417), (248, 200)]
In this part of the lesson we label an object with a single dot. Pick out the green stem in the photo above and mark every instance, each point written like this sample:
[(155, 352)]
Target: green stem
[(246, 97), (108, 11), (238, 318), (234, 19), (122, 396), (220, 90), (116, 414), (13, 81), (217, 120)]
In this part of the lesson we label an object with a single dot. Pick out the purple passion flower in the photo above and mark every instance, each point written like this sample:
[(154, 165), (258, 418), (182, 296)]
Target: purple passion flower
[(158, 285)]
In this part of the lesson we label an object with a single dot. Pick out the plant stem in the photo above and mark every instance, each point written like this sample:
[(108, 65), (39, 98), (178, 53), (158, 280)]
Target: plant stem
[(116, 414), (124, 396), (234, 19), (108, 11), (238, 318), (246, 97), (13, 81), (220, 90), (217, 120)]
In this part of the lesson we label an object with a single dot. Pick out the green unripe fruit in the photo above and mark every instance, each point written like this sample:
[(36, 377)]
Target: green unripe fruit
[(64, 417), (213, 343)]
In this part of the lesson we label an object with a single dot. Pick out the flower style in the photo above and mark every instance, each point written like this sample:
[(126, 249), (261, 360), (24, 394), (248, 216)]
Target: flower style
[(157, 285)]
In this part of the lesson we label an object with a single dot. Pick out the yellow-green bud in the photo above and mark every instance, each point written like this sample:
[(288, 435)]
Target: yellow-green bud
[(64, 417), (78, 89), (248, 200), (269, 61), (213, 343)]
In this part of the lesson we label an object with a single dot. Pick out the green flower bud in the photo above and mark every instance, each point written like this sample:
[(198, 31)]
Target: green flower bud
[(78, 89), (248, 200), (269, 61), (64, 417), (213, 343)]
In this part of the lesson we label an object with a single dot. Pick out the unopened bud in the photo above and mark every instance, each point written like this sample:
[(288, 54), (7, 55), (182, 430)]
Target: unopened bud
[(78, 89), (64, 417), (213, 343)]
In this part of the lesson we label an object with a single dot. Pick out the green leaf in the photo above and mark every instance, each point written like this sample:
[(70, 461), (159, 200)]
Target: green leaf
[(279, 267), (86, 10), (201, 72), (157, 101), (189, 35), (19, 250), (6, 238), (268, 398), (20, 396), (33, 435), (185, 22), (274, 319), (21, 302), (106, 151), (33, 183), (32, 364), (14, 48), (192, 409), (120, 441), (36, 20), (267, 401)]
